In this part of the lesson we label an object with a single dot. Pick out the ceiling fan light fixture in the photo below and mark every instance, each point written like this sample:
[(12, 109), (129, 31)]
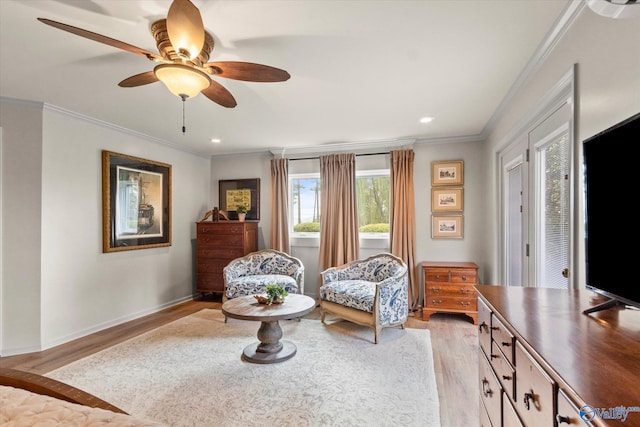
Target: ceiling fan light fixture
[(182, 80)]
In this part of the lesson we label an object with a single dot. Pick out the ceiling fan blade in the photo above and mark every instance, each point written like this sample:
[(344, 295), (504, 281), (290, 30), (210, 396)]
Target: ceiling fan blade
[(218, 94), (248, 71), (185, 28), (102, 39), (139, 80)]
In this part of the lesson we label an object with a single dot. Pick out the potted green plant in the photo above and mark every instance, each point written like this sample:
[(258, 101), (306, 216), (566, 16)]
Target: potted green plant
[(242, 212), (275, 293)]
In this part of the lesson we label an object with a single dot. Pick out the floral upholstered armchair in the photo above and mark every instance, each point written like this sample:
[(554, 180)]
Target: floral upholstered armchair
[(372, 292), (250, 274)]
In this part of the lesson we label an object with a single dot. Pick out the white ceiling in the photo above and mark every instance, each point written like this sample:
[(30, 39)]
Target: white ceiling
[(361, 71)]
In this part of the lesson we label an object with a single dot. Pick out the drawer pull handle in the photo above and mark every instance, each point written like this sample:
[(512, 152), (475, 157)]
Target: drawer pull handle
[(562, 419), (483, 325), (506, 377), (436, 301), (465, 291), (494, 356), (506, 344), (436, 290), (495, 328), (529, 398), (485, 388), (465, 303)]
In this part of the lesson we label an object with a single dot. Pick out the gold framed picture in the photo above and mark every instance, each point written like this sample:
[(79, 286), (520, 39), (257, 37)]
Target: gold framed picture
[(447, 227), (136, 203), (447, 199), (235, 192), (449, 172)]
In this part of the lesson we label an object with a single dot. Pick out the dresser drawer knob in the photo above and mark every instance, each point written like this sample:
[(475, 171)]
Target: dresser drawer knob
[(529, 398), (464, 277), (486, 390), (483, 325), (506, 344), (437, 277), (561, 419)]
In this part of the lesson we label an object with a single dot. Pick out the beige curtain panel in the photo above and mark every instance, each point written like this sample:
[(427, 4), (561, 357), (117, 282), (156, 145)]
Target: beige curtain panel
[(339, 242), (280, 205), (402, 231)]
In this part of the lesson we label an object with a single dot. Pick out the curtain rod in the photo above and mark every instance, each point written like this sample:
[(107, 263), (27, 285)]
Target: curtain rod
[(357, 155)]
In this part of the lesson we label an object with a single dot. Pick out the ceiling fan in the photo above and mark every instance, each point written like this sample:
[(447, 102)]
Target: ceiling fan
[(184, 48)]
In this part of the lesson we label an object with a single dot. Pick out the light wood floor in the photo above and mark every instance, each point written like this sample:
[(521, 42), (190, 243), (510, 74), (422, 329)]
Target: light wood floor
[(454, 339)]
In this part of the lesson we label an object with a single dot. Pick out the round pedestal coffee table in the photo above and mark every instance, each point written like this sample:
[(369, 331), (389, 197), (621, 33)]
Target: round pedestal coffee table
[(269, 349)]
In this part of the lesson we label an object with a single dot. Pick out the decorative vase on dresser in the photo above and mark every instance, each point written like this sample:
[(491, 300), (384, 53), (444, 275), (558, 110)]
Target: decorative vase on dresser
[(449, 288), (217, 244)]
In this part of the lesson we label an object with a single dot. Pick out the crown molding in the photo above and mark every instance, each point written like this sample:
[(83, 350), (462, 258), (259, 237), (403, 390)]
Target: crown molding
[(68, 113), (571, 12), (360, 147)]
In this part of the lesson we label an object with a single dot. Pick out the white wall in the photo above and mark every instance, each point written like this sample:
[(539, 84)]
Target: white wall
[(21, 228), (57, 283), (607, 55)]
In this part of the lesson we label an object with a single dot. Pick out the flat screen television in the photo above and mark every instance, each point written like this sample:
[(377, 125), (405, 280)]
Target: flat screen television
[(611, 187)]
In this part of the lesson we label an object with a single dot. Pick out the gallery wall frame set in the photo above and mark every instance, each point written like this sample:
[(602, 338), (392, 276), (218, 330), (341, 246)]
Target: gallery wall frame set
[(447, 197), (136, 203)]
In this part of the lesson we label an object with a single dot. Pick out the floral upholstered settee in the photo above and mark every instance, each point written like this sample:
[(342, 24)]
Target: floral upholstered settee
[(250, 274), (372, 292)]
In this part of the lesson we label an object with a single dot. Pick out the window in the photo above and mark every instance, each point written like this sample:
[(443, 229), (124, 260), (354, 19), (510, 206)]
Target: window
[(372, 192), (304, 197)]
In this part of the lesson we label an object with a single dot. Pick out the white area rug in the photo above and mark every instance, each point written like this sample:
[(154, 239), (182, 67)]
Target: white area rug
[(190, 373)]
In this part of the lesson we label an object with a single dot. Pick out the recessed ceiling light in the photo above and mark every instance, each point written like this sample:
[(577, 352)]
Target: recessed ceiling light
[(426, 120), (216, 140)]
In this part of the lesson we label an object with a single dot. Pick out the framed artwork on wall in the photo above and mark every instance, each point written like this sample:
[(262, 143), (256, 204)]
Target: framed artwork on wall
[(449, 172), (447, 227), (446, 199), (136, 203), (235, 192)]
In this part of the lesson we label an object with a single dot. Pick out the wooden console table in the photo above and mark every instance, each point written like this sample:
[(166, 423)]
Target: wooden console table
[(545, 363)]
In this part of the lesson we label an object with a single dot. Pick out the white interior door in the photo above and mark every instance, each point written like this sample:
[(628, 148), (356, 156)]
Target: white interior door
[(550, 143), (514, 176), (536, 204)]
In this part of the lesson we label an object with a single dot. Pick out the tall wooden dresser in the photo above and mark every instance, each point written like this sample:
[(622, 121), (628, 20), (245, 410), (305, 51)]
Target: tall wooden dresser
[(218, 243), (449, 288)]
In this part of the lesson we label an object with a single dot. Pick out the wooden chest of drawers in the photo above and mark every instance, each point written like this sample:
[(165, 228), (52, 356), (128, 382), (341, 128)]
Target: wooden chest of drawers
[(449, 288), (542, 361), (217, 244)]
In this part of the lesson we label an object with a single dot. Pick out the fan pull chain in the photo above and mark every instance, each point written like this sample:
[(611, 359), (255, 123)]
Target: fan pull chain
[(184, 128)]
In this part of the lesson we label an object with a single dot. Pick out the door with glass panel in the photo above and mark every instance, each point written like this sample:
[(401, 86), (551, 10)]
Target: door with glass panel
[(536, 204)]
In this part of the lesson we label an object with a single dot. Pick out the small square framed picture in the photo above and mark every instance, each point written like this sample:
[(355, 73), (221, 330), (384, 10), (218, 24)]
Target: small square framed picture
[(447, 199), (446, 227), (449, 172)]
